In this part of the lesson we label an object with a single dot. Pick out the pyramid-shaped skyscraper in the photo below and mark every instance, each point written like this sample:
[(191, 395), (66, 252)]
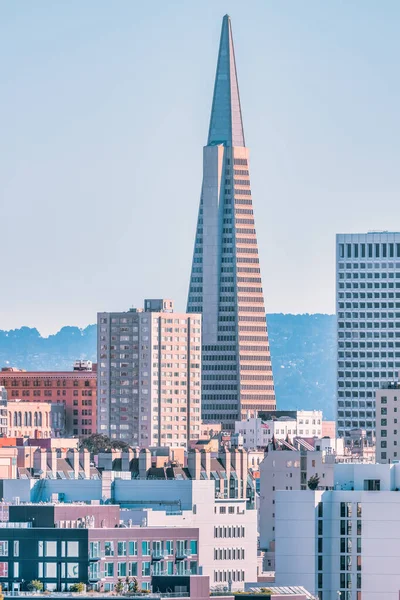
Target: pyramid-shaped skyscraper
[(225, 284)]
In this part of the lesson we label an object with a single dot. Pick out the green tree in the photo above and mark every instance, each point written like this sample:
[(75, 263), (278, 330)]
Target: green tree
[(313, 482), (98, 442), (77, 587), (35, 586), (119, 586), (134, 586)]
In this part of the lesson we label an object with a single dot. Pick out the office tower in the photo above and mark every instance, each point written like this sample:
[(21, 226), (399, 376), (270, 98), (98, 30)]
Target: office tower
[(368, 324), (225, 283), (72, 395), (149, 384)]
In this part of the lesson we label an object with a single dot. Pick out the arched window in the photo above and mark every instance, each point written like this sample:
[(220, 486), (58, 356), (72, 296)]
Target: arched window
[(26, 419), (35, 419), (30, 419), (39, 419), (19, 419)]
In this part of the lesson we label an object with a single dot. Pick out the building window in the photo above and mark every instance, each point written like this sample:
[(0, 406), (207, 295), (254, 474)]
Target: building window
[(145, 569), (109, 548), (132, 549), (108, 569), (73, 549), (50, 570), (133, 570), (3, 569), (121, 569), (145, 548), (3, 548), (72, 570), (121, 548)]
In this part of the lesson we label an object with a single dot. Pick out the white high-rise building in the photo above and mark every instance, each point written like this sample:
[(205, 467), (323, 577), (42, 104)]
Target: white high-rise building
[(149, 375), (368, 324)]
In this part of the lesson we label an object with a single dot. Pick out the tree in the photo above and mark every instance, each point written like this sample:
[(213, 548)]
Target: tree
[(313, 482), (119, 586), (134, 586), (98, 442), (35, 586), (77, 587)]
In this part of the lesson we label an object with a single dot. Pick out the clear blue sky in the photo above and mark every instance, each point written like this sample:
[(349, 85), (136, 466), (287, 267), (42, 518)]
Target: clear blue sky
[(104, 112)]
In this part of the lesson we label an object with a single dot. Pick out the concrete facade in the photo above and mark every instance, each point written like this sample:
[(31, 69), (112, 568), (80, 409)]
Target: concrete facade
[(344, 539), (225, 284), (368, 324), (149, 385), (29, 419)]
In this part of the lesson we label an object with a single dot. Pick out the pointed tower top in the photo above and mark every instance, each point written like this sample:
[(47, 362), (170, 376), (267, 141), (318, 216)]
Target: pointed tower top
[(226, 125)]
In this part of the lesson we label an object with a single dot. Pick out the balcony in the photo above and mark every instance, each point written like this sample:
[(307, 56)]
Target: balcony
[(159, 554), (182, 553)]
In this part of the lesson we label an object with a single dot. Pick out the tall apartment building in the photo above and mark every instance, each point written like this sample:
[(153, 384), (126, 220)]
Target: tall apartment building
[(343, 540), (368, 324), (149, 384), (387, 400), (225, 283), (74, 390)]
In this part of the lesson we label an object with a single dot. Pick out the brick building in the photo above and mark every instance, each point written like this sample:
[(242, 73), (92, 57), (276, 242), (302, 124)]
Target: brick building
[(75, 390)]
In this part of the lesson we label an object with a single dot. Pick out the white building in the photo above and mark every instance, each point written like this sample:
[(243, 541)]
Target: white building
[(290, 468), (346, 539), (368, 323), (387, 422), (258, 433), (227, 528), (149, 375)]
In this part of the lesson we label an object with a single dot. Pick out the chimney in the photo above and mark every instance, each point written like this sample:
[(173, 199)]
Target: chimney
[(53, 460), (225, 458), (144, 462), (245, 469), (126, 458), (73, 456), (194, 463), (206, 461), (236, 463), (86, 463)]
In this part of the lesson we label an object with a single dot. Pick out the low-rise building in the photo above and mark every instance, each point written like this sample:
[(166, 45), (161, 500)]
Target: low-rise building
[(258, 431), (72, 393), (29, 419)]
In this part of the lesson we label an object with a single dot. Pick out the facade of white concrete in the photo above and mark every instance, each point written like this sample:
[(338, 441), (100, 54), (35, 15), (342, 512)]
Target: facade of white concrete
[(288, 470), (368, 324), (149, 375), (257, 433), (344, 539)]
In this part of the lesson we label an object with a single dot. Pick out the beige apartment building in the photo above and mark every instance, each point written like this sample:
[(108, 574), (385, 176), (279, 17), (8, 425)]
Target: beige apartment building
[(387, 400), (149, 375)]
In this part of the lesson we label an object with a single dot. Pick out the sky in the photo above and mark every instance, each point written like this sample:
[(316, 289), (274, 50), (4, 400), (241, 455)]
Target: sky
[(103, 116)]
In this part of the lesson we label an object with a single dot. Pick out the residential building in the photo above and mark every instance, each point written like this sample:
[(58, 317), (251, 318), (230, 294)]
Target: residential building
[(368, 324), (290, 467), (73, 394), (387, 422), (342, 540), (149, 385), (3, 410), (225, 283), (69, 543), (29, 419), (258, 433)]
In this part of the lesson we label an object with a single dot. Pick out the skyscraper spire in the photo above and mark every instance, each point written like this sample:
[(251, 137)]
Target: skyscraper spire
[(226, 125), (225, 284)]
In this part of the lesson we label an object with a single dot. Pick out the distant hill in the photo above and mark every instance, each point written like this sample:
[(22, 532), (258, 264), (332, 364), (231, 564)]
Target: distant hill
[(302, 347)]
